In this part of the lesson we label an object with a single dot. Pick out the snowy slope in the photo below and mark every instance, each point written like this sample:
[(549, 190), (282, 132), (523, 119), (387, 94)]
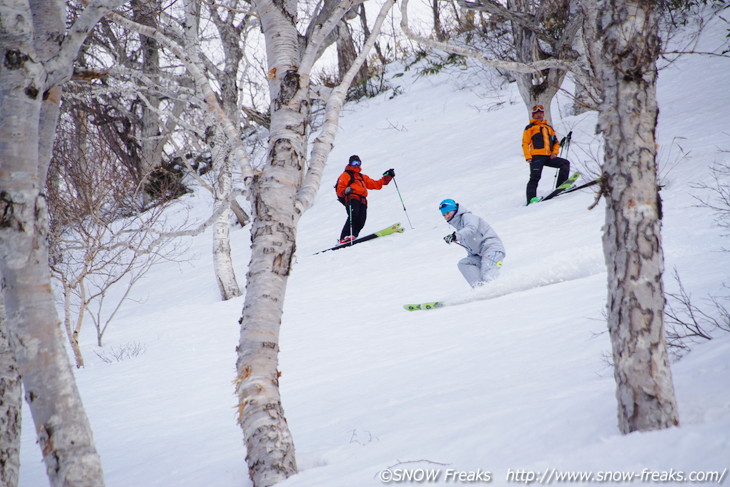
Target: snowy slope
[(516, 382)]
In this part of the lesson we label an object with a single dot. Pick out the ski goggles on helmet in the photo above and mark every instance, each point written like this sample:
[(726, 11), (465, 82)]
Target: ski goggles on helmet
[(538, 108), (447, 205), (356, 162)]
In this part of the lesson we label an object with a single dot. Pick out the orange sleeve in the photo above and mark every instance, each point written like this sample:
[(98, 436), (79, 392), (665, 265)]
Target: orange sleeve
[(372, 183)]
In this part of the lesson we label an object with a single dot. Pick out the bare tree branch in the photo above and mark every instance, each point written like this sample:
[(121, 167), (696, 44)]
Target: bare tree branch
[(534, 67), (75, 36), (193, 64), (322, 145), (494, 8)]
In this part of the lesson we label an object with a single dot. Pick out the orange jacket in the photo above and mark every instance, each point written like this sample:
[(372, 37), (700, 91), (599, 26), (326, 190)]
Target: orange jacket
[(360, 183), (539, 139)]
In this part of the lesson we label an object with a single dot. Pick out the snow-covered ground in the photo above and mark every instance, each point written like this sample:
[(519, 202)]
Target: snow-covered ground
[(499, 388)]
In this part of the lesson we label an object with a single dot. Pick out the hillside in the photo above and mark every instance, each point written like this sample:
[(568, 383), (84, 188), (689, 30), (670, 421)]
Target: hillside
[(515, 383)]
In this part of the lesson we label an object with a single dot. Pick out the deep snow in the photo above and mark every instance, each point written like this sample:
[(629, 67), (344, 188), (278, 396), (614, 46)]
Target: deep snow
[(516, 382)]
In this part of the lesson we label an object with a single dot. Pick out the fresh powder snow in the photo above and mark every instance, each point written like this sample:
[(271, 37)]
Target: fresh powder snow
[(511, 383)]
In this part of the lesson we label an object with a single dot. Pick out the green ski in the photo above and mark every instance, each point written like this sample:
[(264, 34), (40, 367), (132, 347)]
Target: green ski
[(396, 228), (566, 185), (424, 306), (393, 229)]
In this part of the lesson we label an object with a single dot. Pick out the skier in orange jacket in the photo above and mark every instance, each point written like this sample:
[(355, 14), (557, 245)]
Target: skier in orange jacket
[(541, 147), (352, 191)]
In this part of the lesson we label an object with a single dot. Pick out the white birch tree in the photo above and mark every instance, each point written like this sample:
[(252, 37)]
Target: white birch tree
[(223, 134), (623, 42), (285, 188), (38, 50), (146, 12), (231, 27), (10, 408)]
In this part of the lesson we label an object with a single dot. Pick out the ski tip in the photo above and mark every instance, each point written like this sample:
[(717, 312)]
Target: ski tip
[(423, 306)]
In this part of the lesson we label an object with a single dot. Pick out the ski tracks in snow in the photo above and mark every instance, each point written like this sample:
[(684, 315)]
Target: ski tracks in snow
[(552, 269)]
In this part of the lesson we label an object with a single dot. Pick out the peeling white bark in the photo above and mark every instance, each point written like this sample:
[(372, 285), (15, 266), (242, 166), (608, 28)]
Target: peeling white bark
[(284, 188), (10, 408), (270, 448), (282, 192), (222, 260), (35, 65)]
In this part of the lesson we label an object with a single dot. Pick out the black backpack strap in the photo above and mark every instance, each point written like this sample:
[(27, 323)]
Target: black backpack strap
[(352, 180), (352, 177)]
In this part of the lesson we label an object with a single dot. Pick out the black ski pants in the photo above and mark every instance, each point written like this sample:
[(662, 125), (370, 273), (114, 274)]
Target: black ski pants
[(538, 162), (357, 213)]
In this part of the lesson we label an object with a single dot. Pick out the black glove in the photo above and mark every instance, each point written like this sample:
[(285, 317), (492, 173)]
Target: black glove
[(450, 238), (389, 172), (348, 190)]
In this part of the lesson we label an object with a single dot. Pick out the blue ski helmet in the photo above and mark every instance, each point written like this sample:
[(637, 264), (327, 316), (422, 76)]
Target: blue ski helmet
[(448, 205)]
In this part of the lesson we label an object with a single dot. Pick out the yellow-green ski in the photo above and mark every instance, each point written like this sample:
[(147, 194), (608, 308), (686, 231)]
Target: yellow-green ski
[(423, 306)]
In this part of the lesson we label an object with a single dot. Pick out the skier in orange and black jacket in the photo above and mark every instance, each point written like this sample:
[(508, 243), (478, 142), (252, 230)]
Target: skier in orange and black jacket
[(352, 191), (541, 147)]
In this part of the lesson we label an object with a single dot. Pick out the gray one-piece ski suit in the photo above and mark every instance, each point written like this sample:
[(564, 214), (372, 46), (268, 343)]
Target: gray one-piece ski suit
[(483, 245)]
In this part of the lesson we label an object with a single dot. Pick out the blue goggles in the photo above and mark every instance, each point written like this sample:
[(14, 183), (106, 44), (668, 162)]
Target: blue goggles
[(356, 163)]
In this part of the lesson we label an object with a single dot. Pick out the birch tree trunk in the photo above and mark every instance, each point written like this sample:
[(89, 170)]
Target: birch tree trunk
[(222, 261), (624, 46), (269, 444), (541, 31), (226, 135), (10, 408), (438, 27), (535, 88), (63, 430), (347, 53), (586, 96), (146, 12), (230, 35), (281, 193), (72, 332), (38, 52)]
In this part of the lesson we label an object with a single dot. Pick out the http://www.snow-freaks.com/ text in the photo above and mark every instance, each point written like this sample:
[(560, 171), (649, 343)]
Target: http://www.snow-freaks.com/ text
[(396, 475)]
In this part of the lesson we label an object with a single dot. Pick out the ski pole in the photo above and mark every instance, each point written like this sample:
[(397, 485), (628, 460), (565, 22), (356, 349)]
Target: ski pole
[(564, 144), (401, 202), (567, 144)]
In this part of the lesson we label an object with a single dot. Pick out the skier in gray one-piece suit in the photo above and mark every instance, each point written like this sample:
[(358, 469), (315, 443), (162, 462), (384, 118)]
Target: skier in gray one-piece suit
[(484, 247)]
